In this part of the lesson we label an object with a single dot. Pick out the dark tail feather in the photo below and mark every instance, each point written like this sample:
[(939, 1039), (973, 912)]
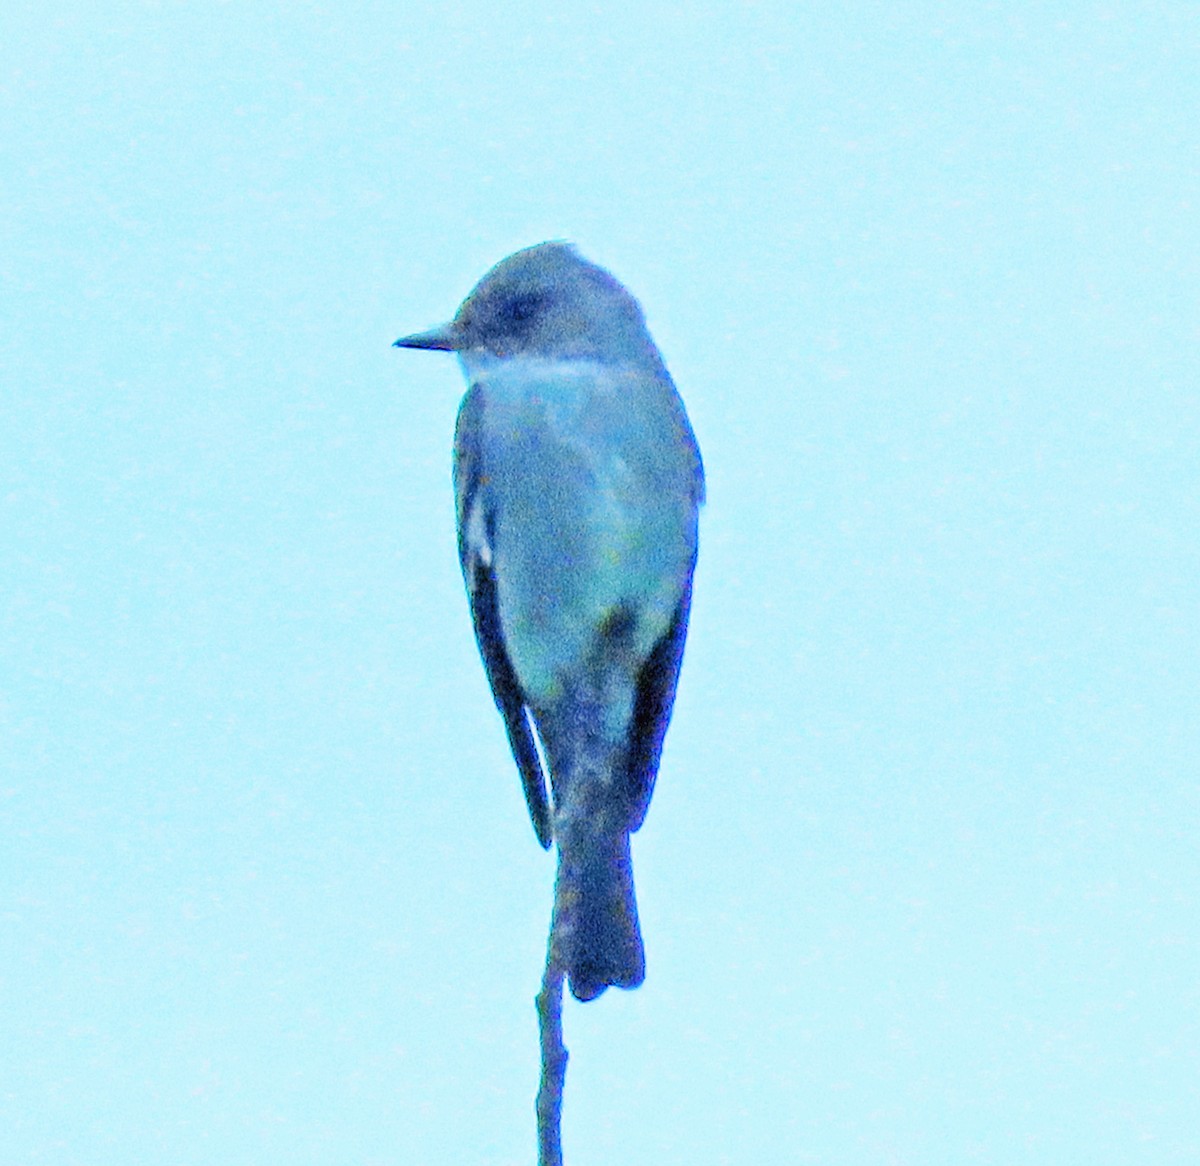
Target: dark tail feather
[(602, 945)]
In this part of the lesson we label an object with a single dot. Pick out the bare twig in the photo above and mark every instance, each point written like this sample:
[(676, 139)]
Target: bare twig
[(584, 805), (554, 1053)]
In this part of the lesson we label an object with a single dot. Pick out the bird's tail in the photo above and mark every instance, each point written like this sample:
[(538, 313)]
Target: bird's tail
[(601, 943)]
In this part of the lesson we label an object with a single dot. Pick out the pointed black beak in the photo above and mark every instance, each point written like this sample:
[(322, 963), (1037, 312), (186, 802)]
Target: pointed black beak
[(441, 339)]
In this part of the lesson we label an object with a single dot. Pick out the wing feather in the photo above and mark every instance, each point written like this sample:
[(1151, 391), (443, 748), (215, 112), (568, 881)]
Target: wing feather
[(475, 555), (655, 698)]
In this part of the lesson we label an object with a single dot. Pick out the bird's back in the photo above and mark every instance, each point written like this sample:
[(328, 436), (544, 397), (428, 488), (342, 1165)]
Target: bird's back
[(589, 483)]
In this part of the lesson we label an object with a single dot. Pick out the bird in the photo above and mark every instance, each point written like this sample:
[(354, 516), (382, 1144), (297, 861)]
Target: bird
[(578, 483)]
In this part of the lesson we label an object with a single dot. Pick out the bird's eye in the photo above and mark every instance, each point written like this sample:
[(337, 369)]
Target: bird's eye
[(522, 308)]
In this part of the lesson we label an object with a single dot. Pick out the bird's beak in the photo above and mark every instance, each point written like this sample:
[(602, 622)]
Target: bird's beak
[(444, 338)]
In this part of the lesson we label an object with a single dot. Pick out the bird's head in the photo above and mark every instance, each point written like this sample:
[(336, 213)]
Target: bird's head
[(545, 301)]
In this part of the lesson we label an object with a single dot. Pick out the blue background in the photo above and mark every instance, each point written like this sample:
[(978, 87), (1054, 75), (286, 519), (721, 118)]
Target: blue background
[(920, 882)]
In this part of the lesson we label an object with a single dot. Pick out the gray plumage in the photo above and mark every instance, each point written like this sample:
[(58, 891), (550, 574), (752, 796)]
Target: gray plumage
[(578, 483)]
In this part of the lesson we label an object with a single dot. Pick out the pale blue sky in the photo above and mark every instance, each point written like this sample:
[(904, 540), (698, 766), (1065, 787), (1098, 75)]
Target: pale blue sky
[(920, 882)]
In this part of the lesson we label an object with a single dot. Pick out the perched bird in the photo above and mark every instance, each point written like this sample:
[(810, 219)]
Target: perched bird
[(578, 483)]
